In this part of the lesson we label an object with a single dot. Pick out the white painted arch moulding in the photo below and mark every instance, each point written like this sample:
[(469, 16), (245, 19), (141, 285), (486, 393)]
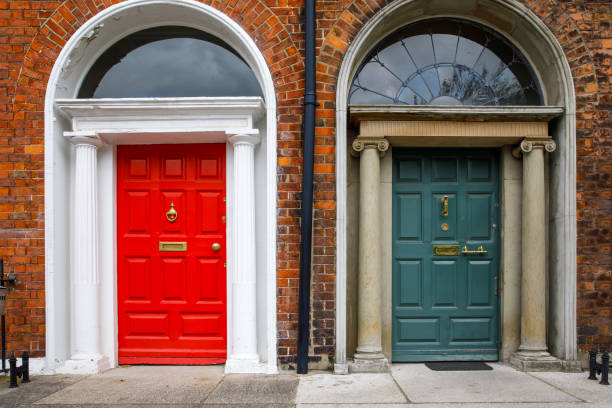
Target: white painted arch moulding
[(530, 35), (71, 66)]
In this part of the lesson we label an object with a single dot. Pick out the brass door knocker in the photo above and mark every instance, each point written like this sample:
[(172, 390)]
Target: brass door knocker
[(171, 214), (445, 206)]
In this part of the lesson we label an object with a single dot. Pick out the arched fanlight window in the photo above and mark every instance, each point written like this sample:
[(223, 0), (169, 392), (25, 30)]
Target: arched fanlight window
[(169, 61), (445, 62)]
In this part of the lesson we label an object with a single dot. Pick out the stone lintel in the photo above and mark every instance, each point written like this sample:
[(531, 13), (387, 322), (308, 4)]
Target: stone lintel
[(439, 133)]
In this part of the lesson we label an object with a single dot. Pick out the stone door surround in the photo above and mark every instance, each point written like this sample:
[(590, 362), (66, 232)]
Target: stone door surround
[(525, 127)]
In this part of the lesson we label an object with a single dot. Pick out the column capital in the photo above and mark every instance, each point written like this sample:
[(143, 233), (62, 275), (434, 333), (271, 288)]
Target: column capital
[(85, 138), (361, 143), (244, 138), (528, 145)]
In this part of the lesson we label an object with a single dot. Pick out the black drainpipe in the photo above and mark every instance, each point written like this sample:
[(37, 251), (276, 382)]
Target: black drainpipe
[(310, 102)]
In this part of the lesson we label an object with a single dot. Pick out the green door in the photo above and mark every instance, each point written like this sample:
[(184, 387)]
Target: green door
[(445, 302)]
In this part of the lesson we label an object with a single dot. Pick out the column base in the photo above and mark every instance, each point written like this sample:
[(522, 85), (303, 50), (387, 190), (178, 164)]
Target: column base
[(572, 366), (245, 364), (84, 364), (341, 369), (535, 361), (369, 363)]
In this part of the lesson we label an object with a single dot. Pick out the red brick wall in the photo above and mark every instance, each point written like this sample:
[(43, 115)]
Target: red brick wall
[(33, 32)]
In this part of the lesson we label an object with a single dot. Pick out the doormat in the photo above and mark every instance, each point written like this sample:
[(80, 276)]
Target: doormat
[(458, 366)]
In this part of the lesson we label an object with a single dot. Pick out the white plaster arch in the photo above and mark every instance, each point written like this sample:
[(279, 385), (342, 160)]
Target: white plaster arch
[(526, 31), (71, 66)]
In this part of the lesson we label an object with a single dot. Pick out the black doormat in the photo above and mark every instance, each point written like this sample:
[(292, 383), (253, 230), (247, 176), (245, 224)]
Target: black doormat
[(458, 366)]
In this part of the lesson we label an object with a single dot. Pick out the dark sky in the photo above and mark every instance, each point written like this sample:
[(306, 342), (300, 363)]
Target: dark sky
[(179, 67)]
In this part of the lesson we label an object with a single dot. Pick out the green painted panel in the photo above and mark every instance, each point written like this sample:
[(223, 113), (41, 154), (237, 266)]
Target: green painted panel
[(411, 283), (444, 277), (479, 283), (411, 216), (445, 307), (479, 213), (444, 170), (410, 170), (419, 330), (470, 330), (479, 170)]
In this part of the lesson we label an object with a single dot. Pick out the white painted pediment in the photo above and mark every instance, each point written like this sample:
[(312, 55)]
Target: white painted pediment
[(144, 120)]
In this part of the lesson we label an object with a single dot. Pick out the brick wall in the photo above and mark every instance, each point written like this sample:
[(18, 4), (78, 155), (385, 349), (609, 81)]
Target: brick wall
[(32, 34)]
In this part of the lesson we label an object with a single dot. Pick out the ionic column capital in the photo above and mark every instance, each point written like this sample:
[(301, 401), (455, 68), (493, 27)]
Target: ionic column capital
[(250, 139), (361, 143), (85, 138), (528, 145)]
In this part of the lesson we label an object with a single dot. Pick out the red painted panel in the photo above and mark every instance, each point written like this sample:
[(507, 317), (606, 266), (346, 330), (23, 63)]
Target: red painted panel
[(172, 305), (139, 278)]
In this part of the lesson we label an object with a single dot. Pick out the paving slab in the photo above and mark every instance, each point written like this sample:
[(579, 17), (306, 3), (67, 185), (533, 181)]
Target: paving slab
[(349, 389), (142, 385), (461, 405), (253, 389), (38, 387), (116, 406), (579, 386), (503, 384)]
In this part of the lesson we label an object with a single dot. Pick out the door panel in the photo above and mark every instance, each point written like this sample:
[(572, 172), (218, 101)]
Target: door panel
[(171, 304), (445, 306)]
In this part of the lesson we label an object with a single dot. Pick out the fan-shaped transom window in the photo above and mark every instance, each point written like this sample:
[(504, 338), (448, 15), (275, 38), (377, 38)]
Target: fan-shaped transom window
[(445, 62), (169, 61)]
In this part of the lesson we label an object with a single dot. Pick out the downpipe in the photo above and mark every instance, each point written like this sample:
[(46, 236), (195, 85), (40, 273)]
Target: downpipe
[(310, 101)]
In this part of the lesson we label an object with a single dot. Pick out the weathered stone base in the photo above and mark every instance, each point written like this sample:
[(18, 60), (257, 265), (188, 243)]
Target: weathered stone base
[(535, 361), (572, 366), (369, 363)]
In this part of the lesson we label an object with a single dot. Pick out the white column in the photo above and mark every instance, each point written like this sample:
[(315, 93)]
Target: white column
[(533, 353), (243, 356), (369, 356), (86, 348)]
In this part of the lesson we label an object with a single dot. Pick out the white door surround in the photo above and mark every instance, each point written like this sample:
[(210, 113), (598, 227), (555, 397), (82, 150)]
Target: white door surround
[(531, 36), (109, 122)]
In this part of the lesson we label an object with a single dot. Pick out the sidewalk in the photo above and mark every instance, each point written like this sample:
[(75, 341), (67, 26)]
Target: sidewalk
[(408, 385)]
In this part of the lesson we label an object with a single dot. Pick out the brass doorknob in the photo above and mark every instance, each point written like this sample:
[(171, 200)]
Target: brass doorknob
[(216, 247)]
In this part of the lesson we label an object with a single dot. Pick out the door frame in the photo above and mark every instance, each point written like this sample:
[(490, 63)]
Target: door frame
[(388, 266), (409, 126), (548, 60), (69, 69)]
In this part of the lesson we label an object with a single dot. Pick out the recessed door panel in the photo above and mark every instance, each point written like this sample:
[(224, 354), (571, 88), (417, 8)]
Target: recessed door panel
[(173, 167), (470, 330), (209, 167), (410, 283), (171, 284), (147, 324), (208, 282), (411, 218), (138, 271), (138, 206), (479, 213), (138, 167), (418, 330), (480, 283), (444, 280), (445, 255), (209, 203), (174, 271)]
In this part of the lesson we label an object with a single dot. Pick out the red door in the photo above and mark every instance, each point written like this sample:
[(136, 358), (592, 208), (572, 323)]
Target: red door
[(171, 254)]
